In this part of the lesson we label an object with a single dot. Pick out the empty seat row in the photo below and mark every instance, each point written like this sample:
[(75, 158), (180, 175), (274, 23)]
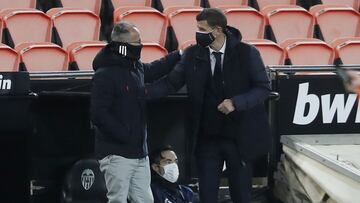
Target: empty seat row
[(62, 26), (309, 51), (95, 5), (65, 26), (281, 23), (79, 56), (47, 56)]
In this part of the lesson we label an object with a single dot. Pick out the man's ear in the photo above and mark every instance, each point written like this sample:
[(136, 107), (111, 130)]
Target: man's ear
[(155, 167)]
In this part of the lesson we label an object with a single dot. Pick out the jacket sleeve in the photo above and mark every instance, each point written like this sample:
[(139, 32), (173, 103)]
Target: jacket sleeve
[(159, 68), (102, 98), (260, 83), (168, 84)]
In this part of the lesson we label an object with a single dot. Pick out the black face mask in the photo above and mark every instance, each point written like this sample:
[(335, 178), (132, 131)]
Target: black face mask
[(204, 39), (132, 52)]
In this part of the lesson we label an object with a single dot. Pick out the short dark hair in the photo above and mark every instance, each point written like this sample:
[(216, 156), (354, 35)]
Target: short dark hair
[(214, 17), (155, 156)]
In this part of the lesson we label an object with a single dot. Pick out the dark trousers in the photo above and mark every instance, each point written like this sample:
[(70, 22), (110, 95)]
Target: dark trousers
[(210, 156)]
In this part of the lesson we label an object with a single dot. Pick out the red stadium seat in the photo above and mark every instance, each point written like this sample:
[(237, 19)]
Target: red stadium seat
[(165, 4), (355, 4), (1, 27), (249, 21), (26, 25), (122, 3), (308, 52), (8, 4), (9, 59), (92, 5), (74, 25), (151, 23), (336, 21), (289, 22), (263, 3), (152, 52), (227, 3), (184, 18), (82, 54), (271, 53), (347, 49), (43, 57)]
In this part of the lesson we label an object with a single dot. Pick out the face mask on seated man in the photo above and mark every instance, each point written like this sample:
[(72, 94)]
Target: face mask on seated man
[(165, 175)]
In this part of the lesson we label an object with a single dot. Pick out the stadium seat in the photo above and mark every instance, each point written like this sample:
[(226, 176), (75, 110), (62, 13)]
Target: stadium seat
[(162, 5), (308, 52), (74, 25), (25, 25), (289, 22), (355, 4), (263, 3), (336, 21), (43, 57), (92, 5), (151, 23), (9, 59), (151, 52), (84, 183), (8, 4), (249, 21), (82, 54), (180, 19), (123, 3), (271, 53), (227, 3), (347, 50)]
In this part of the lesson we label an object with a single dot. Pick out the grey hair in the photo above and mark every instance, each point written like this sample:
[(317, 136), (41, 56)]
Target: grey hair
[(121, 31)]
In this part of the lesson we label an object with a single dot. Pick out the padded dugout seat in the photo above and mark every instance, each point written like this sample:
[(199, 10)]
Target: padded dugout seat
[(336, 21), (84, 183), (151, 23), (9, 59), (25, 25), (308, 52), (162, 5), (347, 49), (271, 53), (92, 5), (43, 57), (74, 25), (8, 4), (249, 21), (180, 19), (289, 22), (152, 52), (82, 54)]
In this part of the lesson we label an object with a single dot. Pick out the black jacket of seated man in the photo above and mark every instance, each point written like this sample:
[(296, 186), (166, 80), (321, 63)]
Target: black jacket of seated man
[(118, 101)]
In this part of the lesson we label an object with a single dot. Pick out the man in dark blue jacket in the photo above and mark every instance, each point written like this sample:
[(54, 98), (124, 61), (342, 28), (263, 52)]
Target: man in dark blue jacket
[(227, 85), (164, 179), (118, 113)]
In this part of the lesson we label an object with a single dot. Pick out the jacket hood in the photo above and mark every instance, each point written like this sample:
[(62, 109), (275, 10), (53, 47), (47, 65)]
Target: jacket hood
[(108, 58), (234, 32)]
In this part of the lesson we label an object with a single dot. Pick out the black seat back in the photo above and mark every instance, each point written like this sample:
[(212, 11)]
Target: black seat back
[(84, 183)]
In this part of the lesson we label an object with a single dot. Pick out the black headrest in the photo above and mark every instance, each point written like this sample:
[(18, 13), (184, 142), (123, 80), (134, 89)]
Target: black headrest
[(85, 182)]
